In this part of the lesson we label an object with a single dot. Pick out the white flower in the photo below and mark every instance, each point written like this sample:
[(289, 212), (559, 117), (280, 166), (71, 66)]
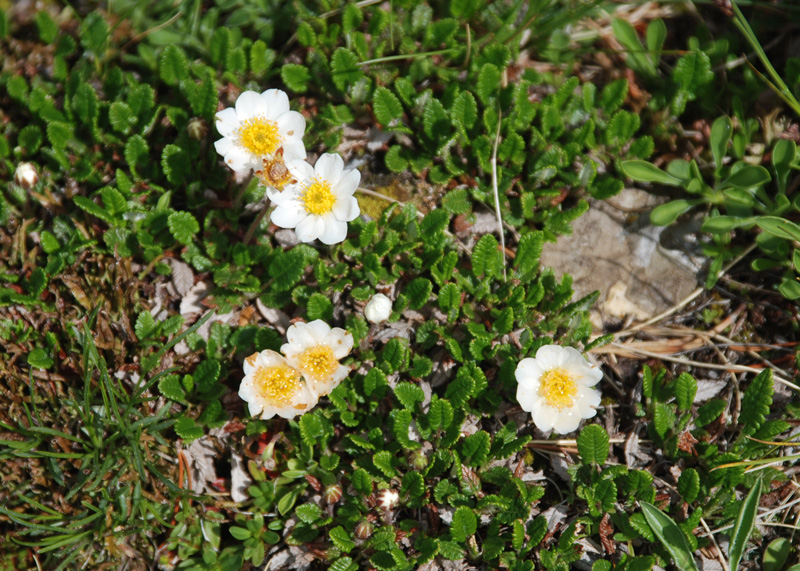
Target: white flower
[(557, 388), (271, 386), (315, 349), (26, 176), (378, 308), (257, 128), (321, 203)]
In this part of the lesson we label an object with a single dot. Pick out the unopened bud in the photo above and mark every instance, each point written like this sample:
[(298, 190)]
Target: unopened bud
[(419, 460), (197, 128), (363, 529), (26, 176), (378, 308), (333, 493), (387, 499)]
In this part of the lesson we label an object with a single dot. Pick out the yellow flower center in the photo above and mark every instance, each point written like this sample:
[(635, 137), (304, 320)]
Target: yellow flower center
[(318, 198), (260, 136), (318, 363), (278, 384), (558, 388)]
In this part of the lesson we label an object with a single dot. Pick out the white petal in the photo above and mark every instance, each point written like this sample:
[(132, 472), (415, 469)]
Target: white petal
[(291, 124), (528, 371), (346, 209), (223, 146), (293, 149), (238, 159), (299, 338), (566, 421), (255, 407), (310, 228), (300, 170), (250, 104), (329, 167), (549, 357), (287, 217), (319, 331), (527, 398), (333, 232), (227, 122), (542, 417), (277, 103), (340, 341), (349, 182)]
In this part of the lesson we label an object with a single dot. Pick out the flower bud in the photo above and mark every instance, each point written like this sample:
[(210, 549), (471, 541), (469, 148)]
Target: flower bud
[(419, 460), (378, 308), (387, 499), (333, 493), (197, 128), (363, 529), (26, 176)]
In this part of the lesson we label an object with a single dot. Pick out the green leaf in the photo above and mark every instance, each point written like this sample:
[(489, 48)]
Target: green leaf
[(670, 535), (121, 117), (373, 380), (685, 389), (440, 415), (743, 527), (413, 484), (48, 29), (386, 106), (94, 32), (435, 122), (418, 292), (319, 307), (642, 171), (383, 462), (187, 429), (465, 111), (528, 252), (486, 258), (176, 164), (113, 201), (345, 69), (779, 227), (137, 153), (593, 445), (313, 430), (666, 214), (720, 137), (689, 484), (464, 9), (756, 402), (409, 394), (183, 226), (449, 297), (475, 448), (296, 77), (40, 359), (49, 242), (457, 201), (749, 176), (173, 66), (488, 83), (287, 268), (394, 159), (692, 72), (170, 386), (783, 155), (145, 325), (460, 389), (464, 524), (261, 58), (91, 208), (656, 34), (341, 539), (709, 412), (776, 554)]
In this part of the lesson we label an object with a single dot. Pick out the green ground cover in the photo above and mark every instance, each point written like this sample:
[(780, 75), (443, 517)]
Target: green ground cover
[(163, 402)]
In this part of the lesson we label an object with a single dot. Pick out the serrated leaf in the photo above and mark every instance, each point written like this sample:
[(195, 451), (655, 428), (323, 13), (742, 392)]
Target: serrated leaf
[(465, 111), (91, 208), (361, 481), (413, 484), (319, 307), (488, 83), (113, 201), (296, 77), (173, 66), (176, 164), (183, 226), (341, 539), (475, 449), (394, 159), (418, 292), (486, 258), (756, 402), (464, 524), (170, 386), (137, 152), (145, 325), (457, 201), (435, 122), (345, 69), (313, 430), (39, 358), (308, 513), (663, 418), (121, 117), (689, 484), (85, 103), (529, 252), (287, 268), (386, 106), (401, 425), (692, 72), (373, 380), (383, 462), (685, 390), (460, 389), (593, 445), (440, 415), (409, 394), (187, 429), (670, 536)]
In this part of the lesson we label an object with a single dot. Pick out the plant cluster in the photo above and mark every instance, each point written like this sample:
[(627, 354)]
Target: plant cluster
[(138, 279)]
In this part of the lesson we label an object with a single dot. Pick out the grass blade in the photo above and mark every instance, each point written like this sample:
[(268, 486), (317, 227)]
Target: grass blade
[(670, 535), (744, 526)]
